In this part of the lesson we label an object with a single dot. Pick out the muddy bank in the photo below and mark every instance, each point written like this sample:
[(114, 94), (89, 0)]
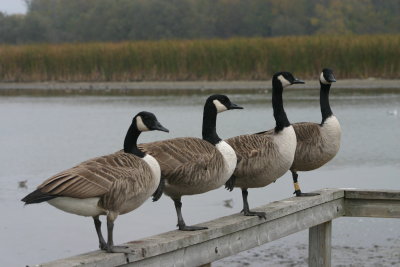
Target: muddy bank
[(297, 255), (156, 88)]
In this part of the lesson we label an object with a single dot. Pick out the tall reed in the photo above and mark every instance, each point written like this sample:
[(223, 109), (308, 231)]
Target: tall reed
[(231, 59)]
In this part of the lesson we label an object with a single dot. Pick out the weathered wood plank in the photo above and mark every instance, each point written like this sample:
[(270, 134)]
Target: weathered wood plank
[(377, 208), (232, 234), (319, 252), (231, 244), (372, 194), (228, 235)]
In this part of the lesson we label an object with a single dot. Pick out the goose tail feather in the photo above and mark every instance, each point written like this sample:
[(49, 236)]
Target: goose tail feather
[(37, 197)]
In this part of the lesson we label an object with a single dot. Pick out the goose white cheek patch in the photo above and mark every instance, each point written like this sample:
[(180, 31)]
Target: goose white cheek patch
[(220, 107), (322, 79), (140, 125), (283, 81)]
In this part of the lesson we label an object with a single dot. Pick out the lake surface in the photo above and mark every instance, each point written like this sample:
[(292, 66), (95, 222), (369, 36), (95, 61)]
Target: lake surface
[(41, 136)]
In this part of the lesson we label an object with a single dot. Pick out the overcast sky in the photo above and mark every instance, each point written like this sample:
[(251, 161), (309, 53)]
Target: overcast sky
[(12, 6)]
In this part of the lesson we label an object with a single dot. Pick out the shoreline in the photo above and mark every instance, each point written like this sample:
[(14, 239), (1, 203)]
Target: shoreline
[(176, 87)]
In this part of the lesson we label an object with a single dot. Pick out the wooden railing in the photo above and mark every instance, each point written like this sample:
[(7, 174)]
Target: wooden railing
[(232, 234)]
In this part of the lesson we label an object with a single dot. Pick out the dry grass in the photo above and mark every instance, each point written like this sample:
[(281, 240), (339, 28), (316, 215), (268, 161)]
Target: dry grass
[(232, 59)]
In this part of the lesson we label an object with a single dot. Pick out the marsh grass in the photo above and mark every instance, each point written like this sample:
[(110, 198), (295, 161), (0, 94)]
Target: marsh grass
[(231, 59)]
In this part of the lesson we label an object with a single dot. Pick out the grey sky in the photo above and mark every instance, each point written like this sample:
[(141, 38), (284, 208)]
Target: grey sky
[(12, 6)]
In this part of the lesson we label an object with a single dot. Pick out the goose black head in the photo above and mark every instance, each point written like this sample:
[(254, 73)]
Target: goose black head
[(222, 103), (285, 79), (147, 121), (327, 76)]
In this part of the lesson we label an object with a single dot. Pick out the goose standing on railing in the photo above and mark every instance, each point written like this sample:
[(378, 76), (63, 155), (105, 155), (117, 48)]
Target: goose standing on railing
[(192, 165), (316, 143), (109, 185), (264, 157)]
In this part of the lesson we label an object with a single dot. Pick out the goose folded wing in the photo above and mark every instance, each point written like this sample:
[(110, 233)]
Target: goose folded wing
[(307, 133), (251, 145), (174, 154), (91, 178), (78, 182)]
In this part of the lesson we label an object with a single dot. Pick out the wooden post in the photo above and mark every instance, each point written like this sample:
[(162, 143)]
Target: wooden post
[(319, 248)]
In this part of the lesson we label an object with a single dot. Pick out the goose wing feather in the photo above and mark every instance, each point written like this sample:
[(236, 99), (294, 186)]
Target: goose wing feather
[(252, 145), (181, 156), (307, 134), (95, 177), (310, 147)]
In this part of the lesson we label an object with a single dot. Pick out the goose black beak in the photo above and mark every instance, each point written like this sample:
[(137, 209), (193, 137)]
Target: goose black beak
[(297, 81), (331, 78), (234, 106), (157, 126)]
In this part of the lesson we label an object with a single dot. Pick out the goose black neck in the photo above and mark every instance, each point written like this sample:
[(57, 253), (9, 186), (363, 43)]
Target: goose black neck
[(324, 102), (130, 143), (209, 130), (277, 104)]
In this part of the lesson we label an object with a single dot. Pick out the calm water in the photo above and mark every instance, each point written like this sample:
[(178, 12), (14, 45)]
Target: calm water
[(41, 136)]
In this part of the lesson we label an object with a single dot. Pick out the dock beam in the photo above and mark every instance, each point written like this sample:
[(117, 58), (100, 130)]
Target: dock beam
[(227, 236)]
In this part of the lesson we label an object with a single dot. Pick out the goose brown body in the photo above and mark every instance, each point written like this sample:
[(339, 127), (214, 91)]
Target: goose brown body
[(121, 182), (263, 157), (316, 144), (189, 165)]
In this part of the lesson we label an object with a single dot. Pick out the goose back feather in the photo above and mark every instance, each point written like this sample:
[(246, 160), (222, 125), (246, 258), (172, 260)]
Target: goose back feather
[(262, 157), (121, 182), (189, 165), (316, 143)]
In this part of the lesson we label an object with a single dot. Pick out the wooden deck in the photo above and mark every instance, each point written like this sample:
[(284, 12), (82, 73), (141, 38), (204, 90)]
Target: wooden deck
[(232, 234)]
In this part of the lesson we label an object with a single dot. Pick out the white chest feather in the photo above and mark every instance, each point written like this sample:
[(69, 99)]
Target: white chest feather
[(154, 166), (331, 126), (229, 155), (331, 133), (287, 142), (83, 207)]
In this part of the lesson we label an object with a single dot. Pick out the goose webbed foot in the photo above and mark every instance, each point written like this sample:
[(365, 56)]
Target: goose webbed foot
[(261, 215), (184, 227), (181, 223), (230, 184), (103, 245), (301, 194), (109, 247), (157, 195), (297, 189), (246, 210)]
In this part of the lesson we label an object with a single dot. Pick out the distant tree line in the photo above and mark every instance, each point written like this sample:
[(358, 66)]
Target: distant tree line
[(59, 21)]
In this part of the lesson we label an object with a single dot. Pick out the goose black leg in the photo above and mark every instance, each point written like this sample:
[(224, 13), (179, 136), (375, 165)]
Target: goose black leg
[(102, 242), (246, 211), (157, 195), (297, 190), (181, 223), (110, 248)]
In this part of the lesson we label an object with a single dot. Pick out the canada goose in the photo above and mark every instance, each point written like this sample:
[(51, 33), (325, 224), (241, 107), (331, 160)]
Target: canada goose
[(264, 157), (193, 165), (109, 185), (316, 143)]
